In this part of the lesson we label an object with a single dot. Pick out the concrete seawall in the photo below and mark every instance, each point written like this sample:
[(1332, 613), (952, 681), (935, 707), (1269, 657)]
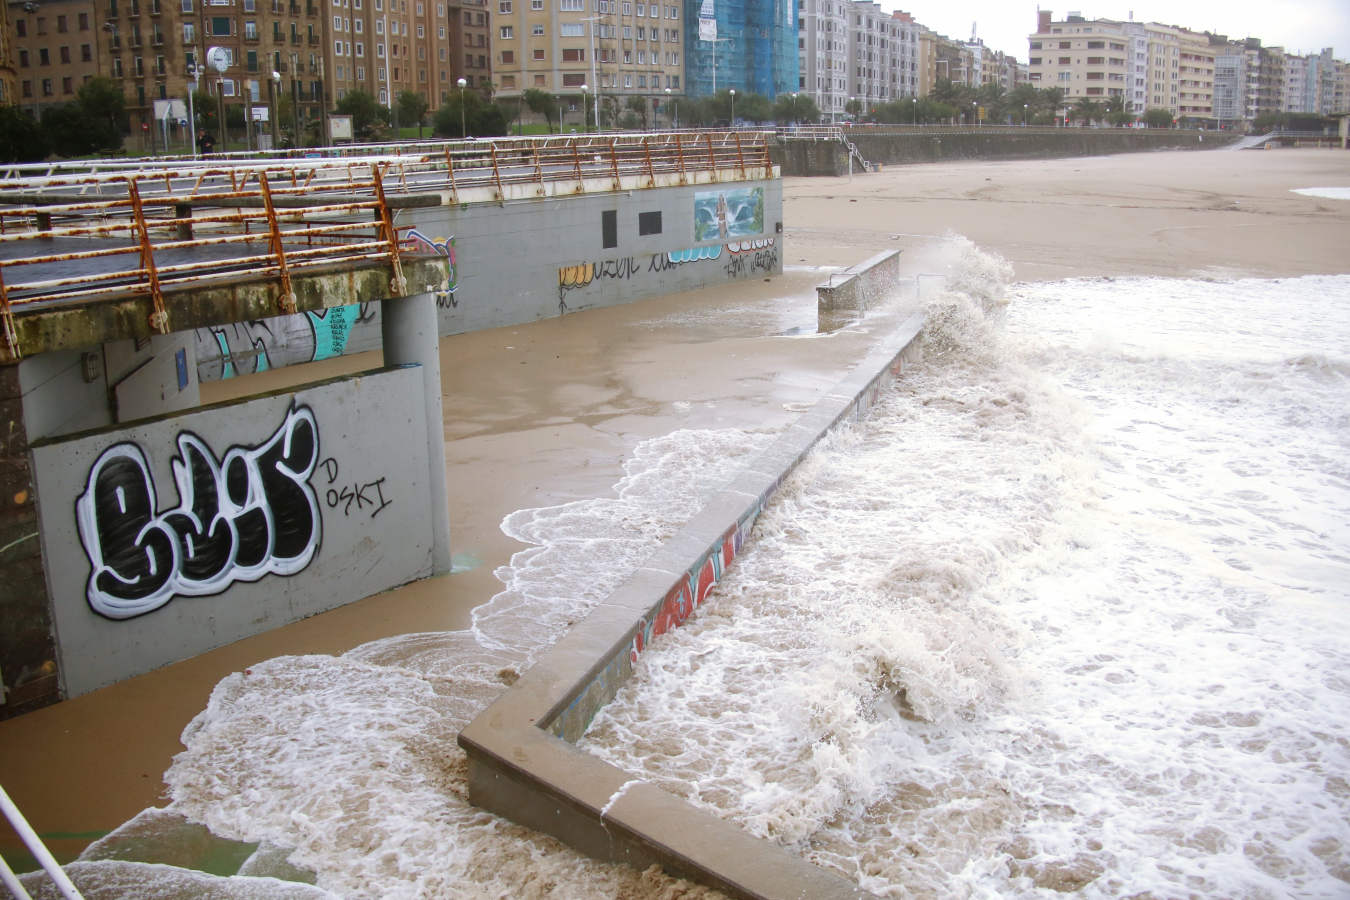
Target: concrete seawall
[(935, 144), (523, 762)]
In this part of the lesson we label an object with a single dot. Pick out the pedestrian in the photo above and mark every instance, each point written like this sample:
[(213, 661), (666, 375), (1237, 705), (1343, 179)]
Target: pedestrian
[(206, 144)]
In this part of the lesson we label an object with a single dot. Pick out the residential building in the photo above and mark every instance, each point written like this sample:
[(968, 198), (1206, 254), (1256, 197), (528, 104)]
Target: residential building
[(750, 45), (882, 56), (823, 54), (54, 49), (615, 49), (1146, 65), (9, 82)]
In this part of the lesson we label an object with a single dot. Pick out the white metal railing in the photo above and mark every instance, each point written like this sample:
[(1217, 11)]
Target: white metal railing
[(40, 853)]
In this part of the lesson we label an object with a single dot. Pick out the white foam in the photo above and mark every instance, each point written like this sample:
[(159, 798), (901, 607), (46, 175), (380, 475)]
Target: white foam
[(1067, 613), (1332, 193)]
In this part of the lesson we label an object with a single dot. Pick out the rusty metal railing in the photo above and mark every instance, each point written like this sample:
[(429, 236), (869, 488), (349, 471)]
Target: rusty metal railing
[(81, 232), (145, 242)]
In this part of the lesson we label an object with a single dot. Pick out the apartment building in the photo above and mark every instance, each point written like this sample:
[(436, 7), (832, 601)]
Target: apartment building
[(53, 50), (882, 55), (386, 47), (750, 45), (614, 48), (823, 54), (1146, 65)]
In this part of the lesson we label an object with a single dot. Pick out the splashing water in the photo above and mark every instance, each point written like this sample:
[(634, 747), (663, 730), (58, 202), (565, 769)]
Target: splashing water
[(1067, 613)]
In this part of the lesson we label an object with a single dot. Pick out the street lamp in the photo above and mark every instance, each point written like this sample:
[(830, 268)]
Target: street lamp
[(794, 107), (1024, 114), (584, 89), (272, 87), (595, 81), (462, 132), (974, 109), (733, 107), (669, 108), (914, 110)]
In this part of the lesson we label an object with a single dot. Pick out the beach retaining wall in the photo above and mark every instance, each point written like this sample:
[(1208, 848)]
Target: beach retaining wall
[(937, 144), (855, 288), (523, 762)]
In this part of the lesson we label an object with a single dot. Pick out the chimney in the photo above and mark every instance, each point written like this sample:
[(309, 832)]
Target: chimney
[(1043, 21)]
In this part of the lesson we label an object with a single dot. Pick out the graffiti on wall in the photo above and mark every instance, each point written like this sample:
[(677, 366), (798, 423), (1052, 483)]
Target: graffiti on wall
[(745, 258), (239, 518), (444, 247), (681, 601), (256, 345), (730, 213)]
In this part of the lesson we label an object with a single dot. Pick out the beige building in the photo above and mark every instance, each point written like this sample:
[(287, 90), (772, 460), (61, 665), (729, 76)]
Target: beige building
[(1146, 65), (616, 49)]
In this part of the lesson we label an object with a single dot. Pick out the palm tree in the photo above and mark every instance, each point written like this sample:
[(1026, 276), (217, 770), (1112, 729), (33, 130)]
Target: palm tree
[(1088, 110)]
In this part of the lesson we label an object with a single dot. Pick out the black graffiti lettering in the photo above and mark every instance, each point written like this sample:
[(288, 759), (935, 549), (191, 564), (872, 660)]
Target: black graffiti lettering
[(661, 262), (360, 495), (330, 468), (253, 514), (622, 268)]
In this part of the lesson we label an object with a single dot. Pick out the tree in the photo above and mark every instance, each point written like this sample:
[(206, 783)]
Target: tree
[(754, 108), (412, 107), (100, 100), (1116, 113), (795, 108), (1156, 117), (854, 107), (480, 117), (637, 108), (21, 138), (368, 117), (541, 103), (1052, 101), (1088, 111)]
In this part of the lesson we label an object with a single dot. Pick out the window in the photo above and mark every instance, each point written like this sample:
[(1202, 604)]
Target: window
[(573, 29), (537, 30), (609, 228), (575, 79), (536, 5), (574, 55), (23, 59), (572, 5), (507, 33), (539, 53), (86, 55), (1096, 45), (1064, 60)]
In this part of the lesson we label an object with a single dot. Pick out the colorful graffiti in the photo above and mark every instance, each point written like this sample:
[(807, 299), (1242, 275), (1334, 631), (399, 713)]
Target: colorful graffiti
[(444, 247), (725, 214), (244, 348), (745, 258), (679, 604), (251, 514)]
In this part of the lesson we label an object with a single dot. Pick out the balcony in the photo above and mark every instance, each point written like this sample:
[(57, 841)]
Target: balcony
[(313, 40)]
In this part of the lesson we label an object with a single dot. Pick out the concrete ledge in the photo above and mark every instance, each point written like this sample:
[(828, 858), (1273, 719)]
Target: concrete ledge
[(522, 760), (858, 286)]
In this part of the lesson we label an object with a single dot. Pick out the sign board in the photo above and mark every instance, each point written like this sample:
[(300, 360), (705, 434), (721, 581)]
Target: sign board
[(260, 113), (340, 128), (174, 110)]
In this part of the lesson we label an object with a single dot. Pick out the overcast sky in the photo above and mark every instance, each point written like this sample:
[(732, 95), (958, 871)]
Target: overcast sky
[(1300, 26)]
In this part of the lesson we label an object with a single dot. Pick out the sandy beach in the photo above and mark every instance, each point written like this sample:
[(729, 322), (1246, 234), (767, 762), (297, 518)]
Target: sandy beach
[(546, 413)]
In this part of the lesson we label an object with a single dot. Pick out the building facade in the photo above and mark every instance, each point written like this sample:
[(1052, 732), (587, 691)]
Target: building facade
[(1144, 65)]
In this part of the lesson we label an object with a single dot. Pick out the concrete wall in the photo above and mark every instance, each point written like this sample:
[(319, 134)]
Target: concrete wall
[(802, 157), (528, 260), (857, 287), (522, 762), (181, 533)]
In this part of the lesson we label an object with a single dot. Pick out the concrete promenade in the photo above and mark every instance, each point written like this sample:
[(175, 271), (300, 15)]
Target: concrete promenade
[(545, 413)]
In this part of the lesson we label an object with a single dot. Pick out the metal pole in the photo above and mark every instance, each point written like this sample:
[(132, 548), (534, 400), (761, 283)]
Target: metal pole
[(37, 848)]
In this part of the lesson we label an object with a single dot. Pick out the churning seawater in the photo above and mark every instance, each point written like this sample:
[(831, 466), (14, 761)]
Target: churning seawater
[(1069, 611)]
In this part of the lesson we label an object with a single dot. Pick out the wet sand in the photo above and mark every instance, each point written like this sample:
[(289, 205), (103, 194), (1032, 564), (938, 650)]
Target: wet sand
[(546, 413)]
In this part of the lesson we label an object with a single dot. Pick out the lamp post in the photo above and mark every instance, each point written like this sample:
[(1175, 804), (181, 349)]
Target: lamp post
[(668, 108), (594, 80), (733, 107), (914, 110), (273, 86), (584, 89), (974, 109), (794, 108), (1024, 114), (462, 132)]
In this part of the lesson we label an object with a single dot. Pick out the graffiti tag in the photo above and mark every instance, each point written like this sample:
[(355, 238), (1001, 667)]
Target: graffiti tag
[(361, 494), (250, 515), (443, 247)]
